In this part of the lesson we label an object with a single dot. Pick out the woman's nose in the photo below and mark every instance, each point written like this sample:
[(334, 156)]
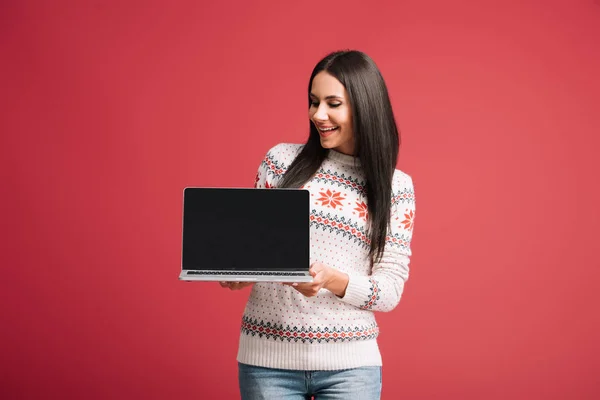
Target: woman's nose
[(321, 114)]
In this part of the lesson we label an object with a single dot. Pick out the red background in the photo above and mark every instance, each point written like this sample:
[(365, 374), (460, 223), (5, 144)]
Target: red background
[(110, 108)]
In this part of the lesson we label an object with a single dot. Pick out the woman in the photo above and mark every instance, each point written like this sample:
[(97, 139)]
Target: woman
[(319, 338)]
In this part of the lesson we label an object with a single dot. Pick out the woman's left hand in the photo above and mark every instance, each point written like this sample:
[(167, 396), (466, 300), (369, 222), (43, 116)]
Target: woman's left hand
[(322, 275)]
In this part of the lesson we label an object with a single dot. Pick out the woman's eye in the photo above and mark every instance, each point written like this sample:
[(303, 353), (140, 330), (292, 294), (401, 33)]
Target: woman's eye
[(316, 104)]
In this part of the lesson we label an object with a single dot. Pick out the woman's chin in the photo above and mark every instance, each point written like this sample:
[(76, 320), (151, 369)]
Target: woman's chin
[(327, 144)]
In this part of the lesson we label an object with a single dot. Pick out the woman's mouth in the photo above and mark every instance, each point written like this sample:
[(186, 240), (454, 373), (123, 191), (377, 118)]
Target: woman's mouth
[(327, 130)]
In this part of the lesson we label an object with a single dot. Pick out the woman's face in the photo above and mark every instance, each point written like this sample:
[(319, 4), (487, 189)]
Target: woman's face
[(331, 113)]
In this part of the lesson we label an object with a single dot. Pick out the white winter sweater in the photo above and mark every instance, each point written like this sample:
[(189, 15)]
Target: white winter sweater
[(281, 328)]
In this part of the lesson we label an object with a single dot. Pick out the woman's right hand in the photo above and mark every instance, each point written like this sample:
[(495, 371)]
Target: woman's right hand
[(235, 285)]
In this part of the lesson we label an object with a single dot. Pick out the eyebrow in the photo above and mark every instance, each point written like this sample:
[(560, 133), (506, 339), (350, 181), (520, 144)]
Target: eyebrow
[(329, 97)]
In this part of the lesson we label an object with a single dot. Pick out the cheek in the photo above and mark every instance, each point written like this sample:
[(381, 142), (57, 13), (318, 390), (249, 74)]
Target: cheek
[(348, 129), (345, 119)]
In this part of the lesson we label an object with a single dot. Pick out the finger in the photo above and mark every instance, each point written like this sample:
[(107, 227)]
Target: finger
[(301, 286), (240, 285), (224, 284), (318, 278), (314, 271), (307, 290), (316, 267)]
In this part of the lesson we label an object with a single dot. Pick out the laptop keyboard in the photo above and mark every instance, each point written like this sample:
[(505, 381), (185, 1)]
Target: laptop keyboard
[(246, 273)]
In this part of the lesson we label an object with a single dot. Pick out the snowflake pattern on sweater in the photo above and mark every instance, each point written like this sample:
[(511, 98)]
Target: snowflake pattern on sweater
[(338, 238)]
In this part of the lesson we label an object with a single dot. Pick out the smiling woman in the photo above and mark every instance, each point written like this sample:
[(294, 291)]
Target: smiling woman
[(355, 102), (320, 338)]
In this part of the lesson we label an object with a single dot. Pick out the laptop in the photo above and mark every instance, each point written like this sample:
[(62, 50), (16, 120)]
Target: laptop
[(245, 235)]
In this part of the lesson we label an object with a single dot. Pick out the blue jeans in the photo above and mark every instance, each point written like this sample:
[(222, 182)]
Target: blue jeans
[(258, 383)]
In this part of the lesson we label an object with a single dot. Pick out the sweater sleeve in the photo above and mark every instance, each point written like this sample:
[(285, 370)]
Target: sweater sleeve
[(381, 291), (268, 169)]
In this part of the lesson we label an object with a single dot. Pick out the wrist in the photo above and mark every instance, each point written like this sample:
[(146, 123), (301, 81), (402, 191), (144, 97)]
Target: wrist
[(337, 282)]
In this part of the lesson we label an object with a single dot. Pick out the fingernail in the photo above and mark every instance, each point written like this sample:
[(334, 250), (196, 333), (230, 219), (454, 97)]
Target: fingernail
[(294, 284)]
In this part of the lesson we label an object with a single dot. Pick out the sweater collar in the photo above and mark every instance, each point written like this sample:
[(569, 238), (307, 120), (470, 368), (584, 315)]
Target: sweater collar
[(343, 158)]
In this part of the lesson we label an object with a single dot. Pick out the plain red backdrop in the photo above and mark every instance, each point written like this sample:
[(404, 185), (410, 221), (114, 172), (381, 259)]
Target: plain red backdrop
[(110, 108)]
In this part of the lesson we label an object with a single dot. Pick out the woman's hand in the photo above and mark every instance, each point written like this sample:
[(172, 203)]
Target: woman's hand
[(235, 285), (324, 277)]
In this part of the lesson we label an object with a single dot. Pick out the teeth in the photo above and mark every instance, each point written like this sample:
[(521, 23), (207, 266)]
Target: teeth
[(328, 129)]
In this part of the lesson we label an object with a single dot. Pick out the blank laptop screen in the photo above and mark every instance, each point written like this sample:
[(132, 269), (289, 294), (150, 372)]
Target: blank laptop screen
[(245, 229)]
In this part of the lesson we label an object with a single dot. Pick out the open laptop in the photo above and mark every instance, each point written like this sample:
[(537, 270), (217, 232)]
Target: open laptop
[(243, 235)]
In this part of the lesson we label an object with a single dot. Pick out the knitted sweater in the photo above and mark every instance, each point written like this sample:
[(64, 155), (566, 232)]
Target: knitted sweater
[(281, 328)]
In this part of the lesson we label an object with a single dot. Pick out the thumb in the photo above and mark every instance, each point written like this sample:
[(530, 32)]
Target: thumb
[(315, 269)]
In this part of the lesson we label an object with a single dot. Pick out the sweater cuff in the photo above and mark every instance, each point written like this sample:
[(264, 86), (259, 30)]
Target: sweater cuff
[(361, 292)]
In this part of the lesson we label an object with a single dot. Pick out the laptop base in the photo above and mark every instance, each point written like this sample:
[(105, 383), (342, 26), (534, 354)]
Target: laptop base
[(244, 276)]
